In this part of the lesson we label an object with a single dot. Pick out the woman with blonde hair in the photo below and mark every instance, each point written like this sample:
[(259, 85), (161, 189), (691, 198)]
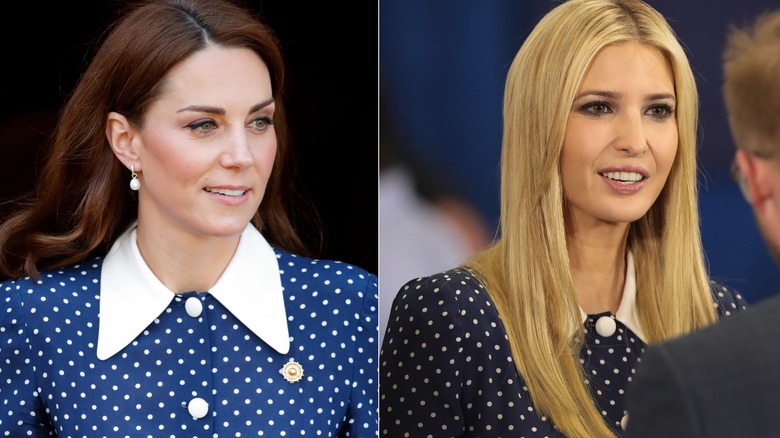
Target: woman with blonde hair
[(599, 254)]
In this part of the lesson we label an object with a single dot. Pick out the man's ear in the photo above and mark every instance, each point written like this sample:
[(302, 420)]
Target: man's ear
[(121, 136), (757, 173)]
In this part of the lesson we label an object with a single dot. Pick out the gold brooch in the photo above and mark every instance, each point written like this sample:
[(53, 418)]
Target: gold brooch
[(292, 371)]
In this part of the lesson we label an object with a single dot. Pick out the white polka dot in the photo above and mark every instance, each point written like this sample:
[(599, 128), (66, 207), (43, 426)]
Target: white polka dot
[(195, 368)]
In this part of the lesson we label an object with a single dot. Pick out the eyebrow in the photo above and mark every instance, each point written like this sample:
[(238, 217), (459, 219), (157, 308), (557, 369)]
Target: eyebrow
[(616, 95), (221, 111)]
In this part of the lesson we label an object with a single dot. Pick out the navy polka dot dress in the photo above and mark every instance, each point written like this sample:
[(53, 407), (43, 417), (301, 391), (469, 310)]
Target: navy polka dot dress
[(446, 368), (195, 370)]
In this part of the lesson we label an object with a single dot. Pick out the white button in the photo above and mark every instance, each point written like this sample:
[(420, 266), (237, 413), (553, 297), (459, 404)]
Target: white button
[(198, 408), (624, 422), (194, 307), (605, 326)]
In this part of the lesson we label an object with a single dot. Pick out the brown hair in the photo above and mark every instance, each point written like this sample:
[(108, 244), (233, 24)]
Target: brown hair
[(82, 202), (751, 67)]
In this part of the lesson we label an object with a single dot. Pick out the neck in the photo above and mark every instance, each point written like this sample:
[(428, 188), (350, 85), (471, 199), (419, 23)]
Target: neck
[(184, 262), (597, 258)]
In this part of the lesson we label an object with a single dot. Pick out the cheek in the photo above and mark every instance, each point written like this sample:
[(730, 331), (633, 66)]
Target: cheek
[(573, 169), (580, 150), (159, 154), (265, 156), (666, 150)]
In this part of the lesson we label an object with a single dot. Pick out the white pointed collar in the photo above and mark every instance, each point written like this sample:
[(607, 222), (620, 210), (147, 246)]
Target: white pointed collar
[(132, 297), (627, 311)]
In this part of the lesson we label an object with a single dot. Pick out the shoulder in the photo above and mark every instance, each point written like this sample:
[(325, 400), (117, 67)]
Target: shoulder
[(748, 332), (324, 276), (68, 294), (455, 284), (740, 337), (712, 364), (753, 325), (455, 293), (290, 263), (70, 279), (727, 300), (453, 300)]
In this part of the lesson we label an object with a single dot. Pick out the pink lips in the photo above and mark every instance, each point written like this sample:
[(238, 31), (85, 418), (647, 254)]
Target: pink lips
[(625, 173), (228, 195)]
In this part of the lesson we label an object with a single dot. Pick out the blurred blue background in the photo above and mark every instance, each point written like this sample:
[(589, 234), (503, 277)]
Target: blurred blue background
[(442, 71)]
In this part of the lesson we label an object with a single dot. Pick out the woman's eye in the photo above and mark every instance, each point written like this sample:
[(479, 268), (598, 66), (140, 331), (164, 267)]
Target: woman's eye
[(596, 108), (661, 111), (203, 126), (262, 123)]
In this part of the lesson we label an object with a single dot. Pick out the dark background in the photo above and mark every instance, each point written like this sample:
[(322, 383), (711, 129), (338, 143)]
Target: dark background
[(332, 101), (442, 69)]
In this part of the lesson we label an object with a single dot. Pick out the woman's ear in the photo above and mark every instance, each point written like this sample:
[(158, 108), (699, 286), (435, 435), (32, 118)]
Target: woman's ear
[(121, 136)]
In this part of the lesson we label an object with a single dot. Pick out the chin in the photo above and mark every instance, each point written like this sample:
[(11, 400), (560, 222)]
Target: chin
[(631, 211), (626, 216), (225, 228)]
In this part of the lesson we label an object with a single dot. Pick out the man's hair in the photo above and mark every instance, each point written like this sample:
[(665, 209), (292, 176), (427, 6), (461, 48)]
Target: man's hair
[(751, 67)]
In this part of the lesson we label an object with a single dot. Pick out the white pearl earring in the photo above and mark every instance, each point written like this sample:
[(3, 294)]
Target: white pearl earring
[(135, 184)]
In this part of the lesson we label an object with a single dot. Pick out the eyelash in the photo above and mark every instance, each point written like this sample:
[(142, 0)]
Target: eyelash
[(201, 126), (266, 120), (668, 111), (590, 109)]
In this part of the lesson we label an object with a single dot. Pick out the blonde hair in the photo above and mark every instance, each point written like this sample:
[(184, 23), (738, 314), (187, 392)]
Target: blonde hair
[(527, 271), (751, 67)]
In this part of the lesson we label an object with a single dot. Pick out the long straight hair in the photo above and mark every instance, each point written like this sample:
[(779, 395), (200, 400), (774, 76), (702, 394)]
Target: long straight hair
[(527, 271), (82, 202)]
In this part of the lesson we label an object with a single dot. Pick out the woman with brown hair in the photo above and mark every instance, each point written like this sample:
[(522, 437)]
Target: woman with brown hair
[(160, 284)]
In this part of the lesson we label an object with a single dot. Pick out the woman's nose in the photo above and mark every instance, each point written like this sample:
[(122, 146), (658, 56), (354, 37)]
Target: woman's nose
[(631, 138), (238, 153)]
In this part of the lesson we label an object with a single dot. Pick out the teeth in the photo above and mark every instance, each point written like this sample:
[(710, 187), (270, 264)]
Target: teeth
[(226, 192), (623, 177)]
